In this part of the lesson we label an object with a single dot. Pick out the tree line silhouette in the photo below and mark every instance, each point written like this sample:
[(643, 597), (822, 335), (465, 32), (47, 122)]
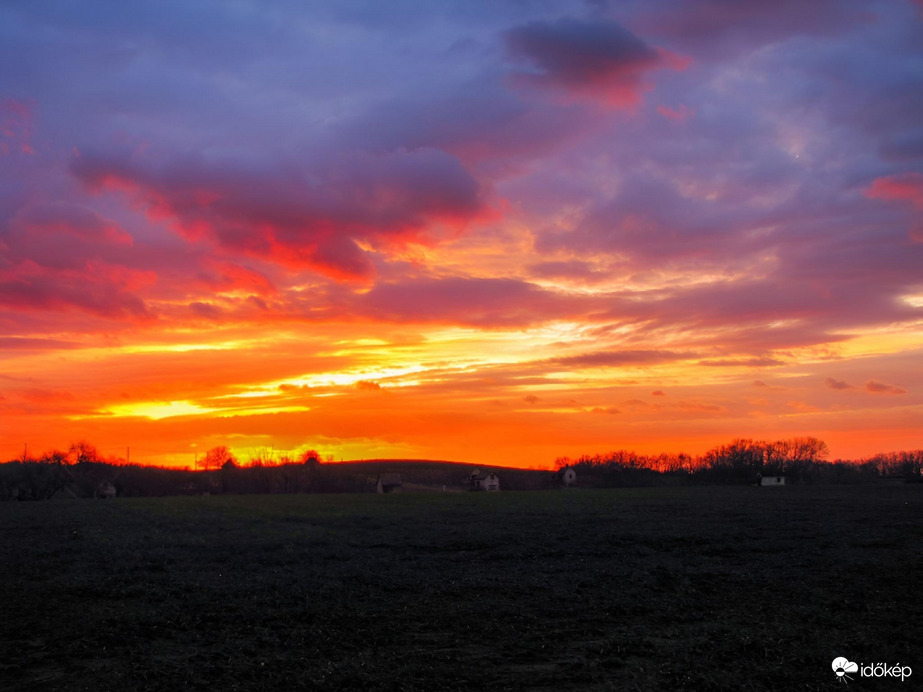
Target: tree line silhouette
[(82, 471), (799, 459)]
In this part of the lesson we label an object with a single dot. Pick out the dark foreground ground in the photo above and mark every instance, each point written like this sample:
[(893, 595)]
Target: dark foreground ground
[(673, 589)]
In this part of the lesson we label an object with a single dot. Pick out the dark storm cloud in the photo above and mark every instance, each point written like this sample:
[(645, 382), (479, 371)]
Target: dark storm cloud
[(596, 58), (572, 52)]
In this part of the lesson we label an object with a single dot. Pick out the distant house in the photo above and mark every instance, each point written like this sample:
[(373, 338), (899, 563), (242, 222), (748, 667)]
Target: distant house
[(772, 480), (389, 483), (105, 491), (484, 481), (566, 476)]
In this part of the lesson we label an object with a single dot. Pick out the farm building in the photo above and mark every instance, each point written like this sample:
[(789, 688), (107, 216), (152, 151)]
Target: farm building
[(389, 483), (772, 480), (489, 481), (566, 477), (105, 491)]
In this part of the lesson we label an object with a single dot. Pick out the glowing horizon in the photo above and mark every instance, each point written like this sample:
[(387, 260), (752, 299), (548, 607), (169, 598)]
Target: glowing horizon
[(500, 234)]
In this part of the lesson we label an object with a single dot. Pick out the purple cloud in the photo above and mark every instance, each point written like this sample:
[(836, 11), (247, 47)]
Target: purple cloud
[(595, 59)]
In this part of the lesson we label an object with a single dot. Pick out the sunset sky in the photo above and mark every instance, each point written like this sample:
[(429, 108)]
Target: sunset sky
[(496, 232)]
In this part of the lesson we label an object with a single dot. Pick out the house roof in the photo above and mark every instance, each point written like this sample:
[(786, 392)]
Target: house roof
[(389, 478)]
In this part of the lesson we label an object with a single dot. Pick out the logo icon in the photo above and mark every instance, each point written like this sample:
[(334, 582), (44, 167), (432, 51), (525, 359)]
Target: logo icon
[(842, 666)]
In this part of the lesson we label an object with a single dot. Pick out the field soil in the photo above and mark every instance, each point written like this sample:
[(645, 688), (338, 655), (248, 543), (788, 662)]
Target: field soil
[(704, 588)]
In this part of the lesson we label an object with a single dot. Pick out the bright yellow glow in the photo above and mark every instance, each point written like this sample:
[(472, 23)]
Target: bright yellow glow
[(347, 379), (230, 413), (158, 410), (183, 348), (893, 339)]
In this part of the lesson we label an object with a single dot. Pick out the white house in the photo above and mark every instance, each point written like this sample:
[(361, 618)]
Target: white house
[(389, 483), (484, 481), (772, 480)]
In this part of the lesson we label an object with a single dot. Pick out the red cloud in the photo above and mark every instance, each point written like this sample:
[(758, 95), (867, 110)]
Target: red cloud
[(596, 60), (228, 276), (907, 187), (66, 257), (326, 219), (41, 221)]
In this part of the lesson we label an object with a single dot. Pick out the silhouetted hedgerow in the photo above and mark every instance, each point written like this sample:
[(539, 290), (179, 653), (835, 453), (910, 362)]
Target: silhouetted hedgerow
[(82, 473)]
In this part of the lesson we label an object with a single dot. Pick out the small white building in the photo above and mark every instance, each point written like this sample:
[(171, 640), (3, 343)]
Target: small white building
[(489, 481), (105, 491), (772, 481), (389, 483), (567, 477)]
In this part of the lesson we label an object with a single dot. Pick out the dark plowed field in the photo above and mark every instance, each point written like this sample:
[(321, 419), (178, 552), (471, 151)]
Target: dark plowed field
[(651, 589)]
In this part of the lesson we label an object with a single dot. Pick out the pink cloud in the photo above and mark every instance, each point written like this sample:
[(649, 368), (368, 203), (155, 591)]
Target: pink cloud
[(573, 270), (98, 288), (44, 220), (906, 187), (470, 301), (680, 114), (230, 276), (16, 125), (601, 359)]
